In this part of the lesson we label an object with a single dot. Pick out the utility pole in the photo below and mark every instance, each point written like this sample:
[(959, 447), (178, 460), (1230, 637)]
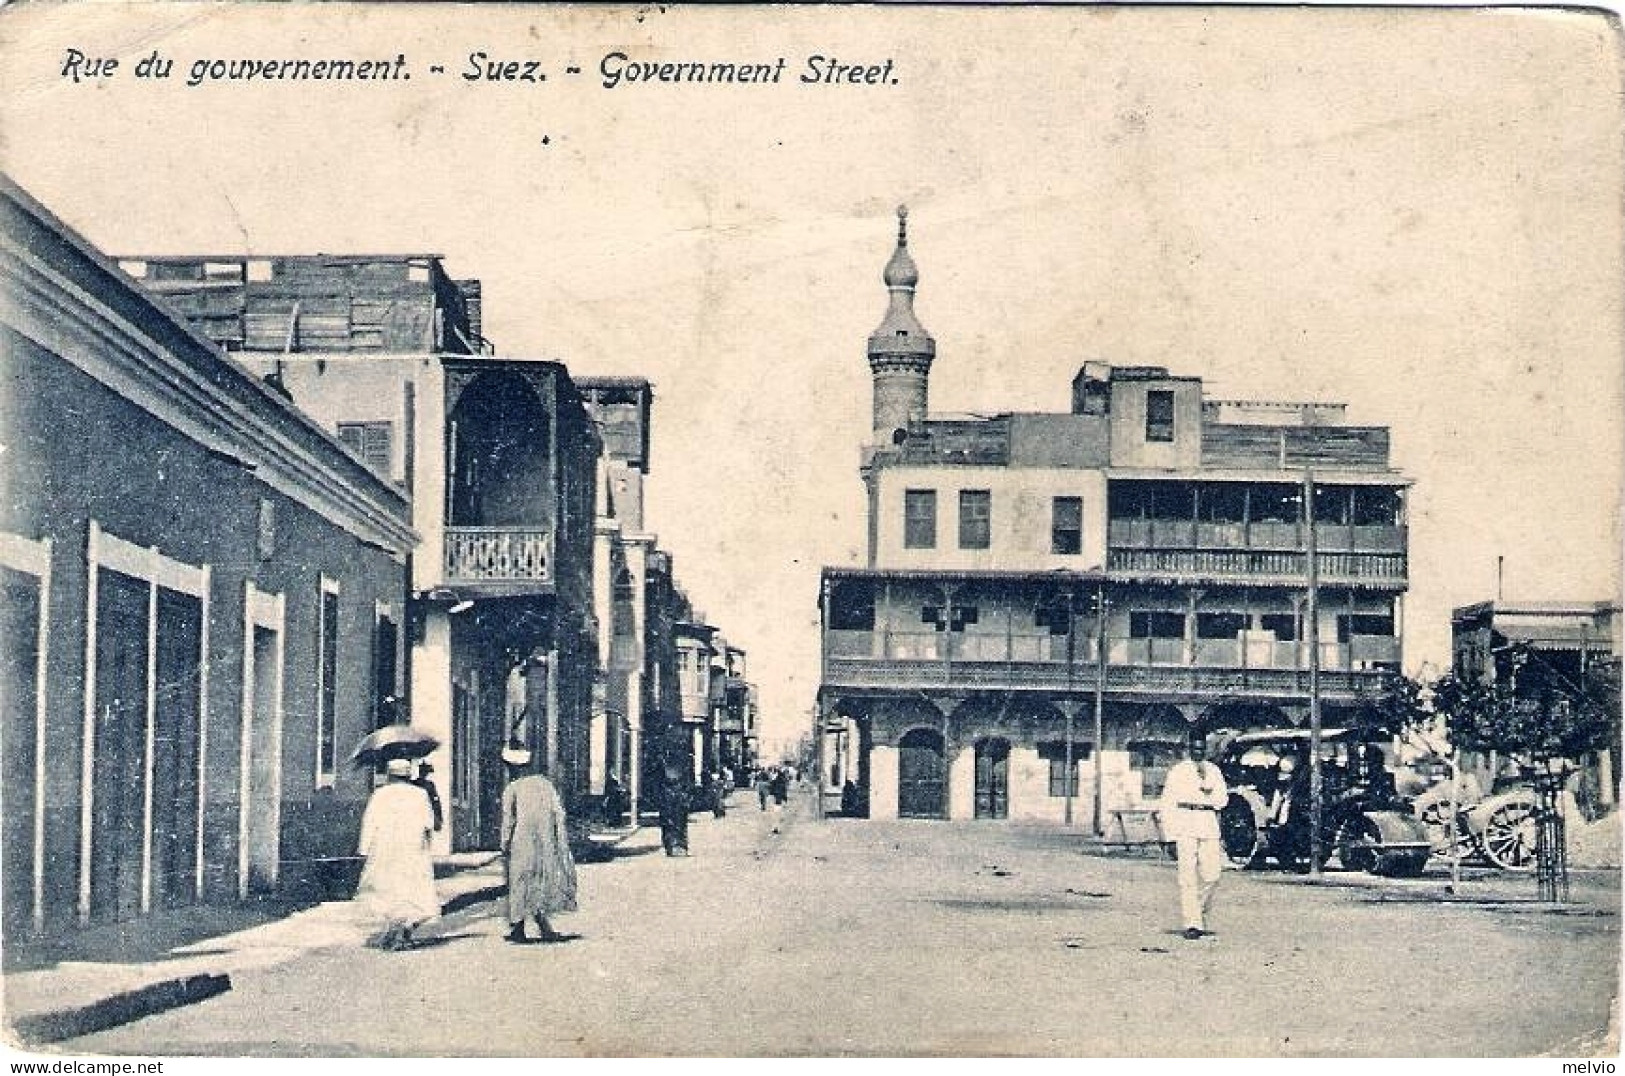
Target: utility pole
[(1100, 705), (1316, 786), (1070, 708)]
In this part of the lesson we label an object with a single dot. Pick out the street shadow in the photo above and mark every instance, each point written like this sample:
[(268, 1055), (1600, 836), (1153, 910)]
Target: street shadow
[(147, 940), (557, 939), (631, 853), (439, 940)]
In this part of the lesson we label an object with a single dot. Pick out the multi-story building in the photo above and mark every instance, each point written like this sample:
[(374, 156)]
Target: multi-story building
[(1544, 647), (733, 721), (620, 407), (499, 458), (202, 598), (1052, 601)]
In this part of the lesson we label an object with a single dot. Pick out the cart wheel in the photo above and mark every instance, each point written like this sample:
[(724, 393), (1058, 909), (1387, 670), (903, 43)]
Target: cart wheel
[(1355, 842), (1509, 834), (1238, 832)]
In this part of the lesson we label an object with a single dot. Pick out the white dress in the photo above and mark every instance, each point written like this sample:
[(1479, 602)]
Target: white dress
[(397, 882)]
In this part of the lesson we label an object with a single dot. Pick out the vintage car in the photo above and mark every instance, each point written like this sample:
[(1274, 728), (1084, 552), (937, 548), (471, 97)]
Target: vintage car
[(1365, 824)]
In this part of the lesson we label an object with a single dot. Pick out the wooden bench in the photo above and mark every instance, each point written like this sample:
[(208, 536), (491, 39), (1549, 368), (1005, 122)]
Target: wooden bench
[(1135, 827)]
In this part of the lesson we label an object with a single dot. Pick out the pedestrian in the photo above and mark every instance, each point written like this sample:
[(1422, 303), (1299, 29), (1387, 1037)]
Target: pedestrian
[(674, 811), (397, 881), (536, 844), (764, 783), (780, 785), (718, 792), (1192, 798), (424, 781)]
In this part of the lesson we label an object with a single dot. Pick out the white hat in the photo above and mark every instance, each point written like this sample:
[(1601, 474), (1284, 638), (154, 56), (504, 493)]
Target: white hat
[(515, 756), (398, 767)]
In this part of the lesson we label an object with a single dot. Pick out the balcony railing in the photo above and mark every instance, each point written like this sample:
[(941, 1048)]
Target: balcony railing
[(1259, 535), (921, 660), (499, 555), (1373, 569)]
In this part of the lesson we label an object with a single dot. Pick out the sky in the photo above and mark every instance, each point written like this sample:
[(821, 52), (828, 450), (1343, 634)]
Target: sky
[(1417, 213)]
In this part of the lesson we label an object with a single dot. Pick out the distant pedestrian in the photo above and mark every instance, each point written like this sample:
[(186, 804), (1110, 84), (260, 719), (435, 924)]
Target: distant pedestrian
[(764, 783), (1192, 798), (397, 880), (425, 781), (718, 791), (780, 785), (674, 811), (536, 843)]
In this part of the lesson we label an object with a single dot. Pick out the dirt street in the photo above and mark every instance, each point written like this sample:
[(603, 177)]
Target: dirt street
[(909, 938)]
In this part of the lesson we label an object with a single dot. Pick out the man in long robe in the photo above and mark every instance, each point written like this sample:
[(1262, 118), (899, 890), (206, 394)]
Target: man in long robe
[(397, 881), (541, 872)]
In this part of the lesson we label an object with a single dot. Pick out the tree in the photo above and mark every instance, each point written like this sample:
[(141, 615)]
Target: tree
[(1534, 712)]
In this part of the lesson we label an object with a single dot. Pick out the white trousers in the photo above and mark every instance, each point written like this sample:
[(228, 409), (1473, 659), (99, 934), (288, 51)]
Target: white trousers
[(1200, 864)]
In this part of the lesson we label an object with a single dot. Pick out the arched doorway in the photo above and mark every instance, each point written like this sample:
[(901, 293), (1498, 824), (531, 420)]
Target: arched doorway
[(993, 778), (921, 775)]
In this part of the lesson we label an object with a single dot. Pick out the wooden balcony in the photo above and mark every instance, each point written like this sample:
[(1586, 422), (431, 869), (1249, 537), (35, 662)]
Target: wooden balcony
[(1258, 536), (924, 661), (500, 555), (1378, 571)]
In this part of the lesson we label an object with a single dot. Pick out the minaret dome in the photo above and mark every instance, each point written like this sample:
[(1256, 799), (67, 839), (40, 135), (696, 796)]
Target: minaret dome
[(900, 350)]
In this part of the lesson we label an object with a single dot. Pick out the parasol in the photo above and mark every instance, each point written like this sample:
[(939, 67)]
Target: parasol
[(393, 741)]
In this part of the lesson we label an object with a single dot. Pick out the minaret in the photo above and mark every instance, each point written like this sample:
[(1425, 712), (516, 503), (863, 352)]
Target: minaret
[(900, 350)]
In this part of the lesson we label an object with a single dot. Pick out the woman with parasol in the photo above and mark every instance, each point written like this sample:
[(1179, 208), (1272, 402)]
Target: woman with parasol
[(397, 881)]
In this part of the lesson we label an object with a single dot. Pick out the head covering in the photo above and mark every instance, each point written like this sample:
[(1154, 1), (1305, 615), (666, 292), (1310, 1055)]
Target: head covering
[(515, 756), (398, 767)]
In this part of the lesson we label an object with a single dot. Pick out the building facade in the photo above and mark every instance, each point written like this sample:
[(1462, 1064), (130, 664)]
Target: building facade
[(499, 458), (1560, 649), (1052, 601), (203, 595)]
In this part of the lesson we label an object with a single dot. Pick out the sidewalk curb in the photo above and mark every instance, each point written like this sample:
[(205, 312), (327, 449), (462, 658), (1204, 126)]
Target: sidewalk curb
[(120, 1008), (38, 1029), (152, 998)]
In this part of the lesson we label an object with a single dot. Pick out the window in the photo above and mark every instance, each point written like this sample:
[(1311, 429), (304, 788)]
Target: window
[(1156, 625), (1375, 507), (1159, 415), (385, 706), (1276, 503), (1364, 624), (1220, 625), (1284, 625), (327, 661), (1055, 754), (1332, 504), (975, 518), (954, 618), (851, 607), (1221, 502), (370, 441), (1153, 761), (1066, 525), (920, 519)]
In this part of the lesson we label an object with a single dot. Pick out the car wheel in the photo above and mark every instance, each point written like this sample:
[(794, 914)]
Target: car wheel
[(1238, 832), (1355, 842)]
